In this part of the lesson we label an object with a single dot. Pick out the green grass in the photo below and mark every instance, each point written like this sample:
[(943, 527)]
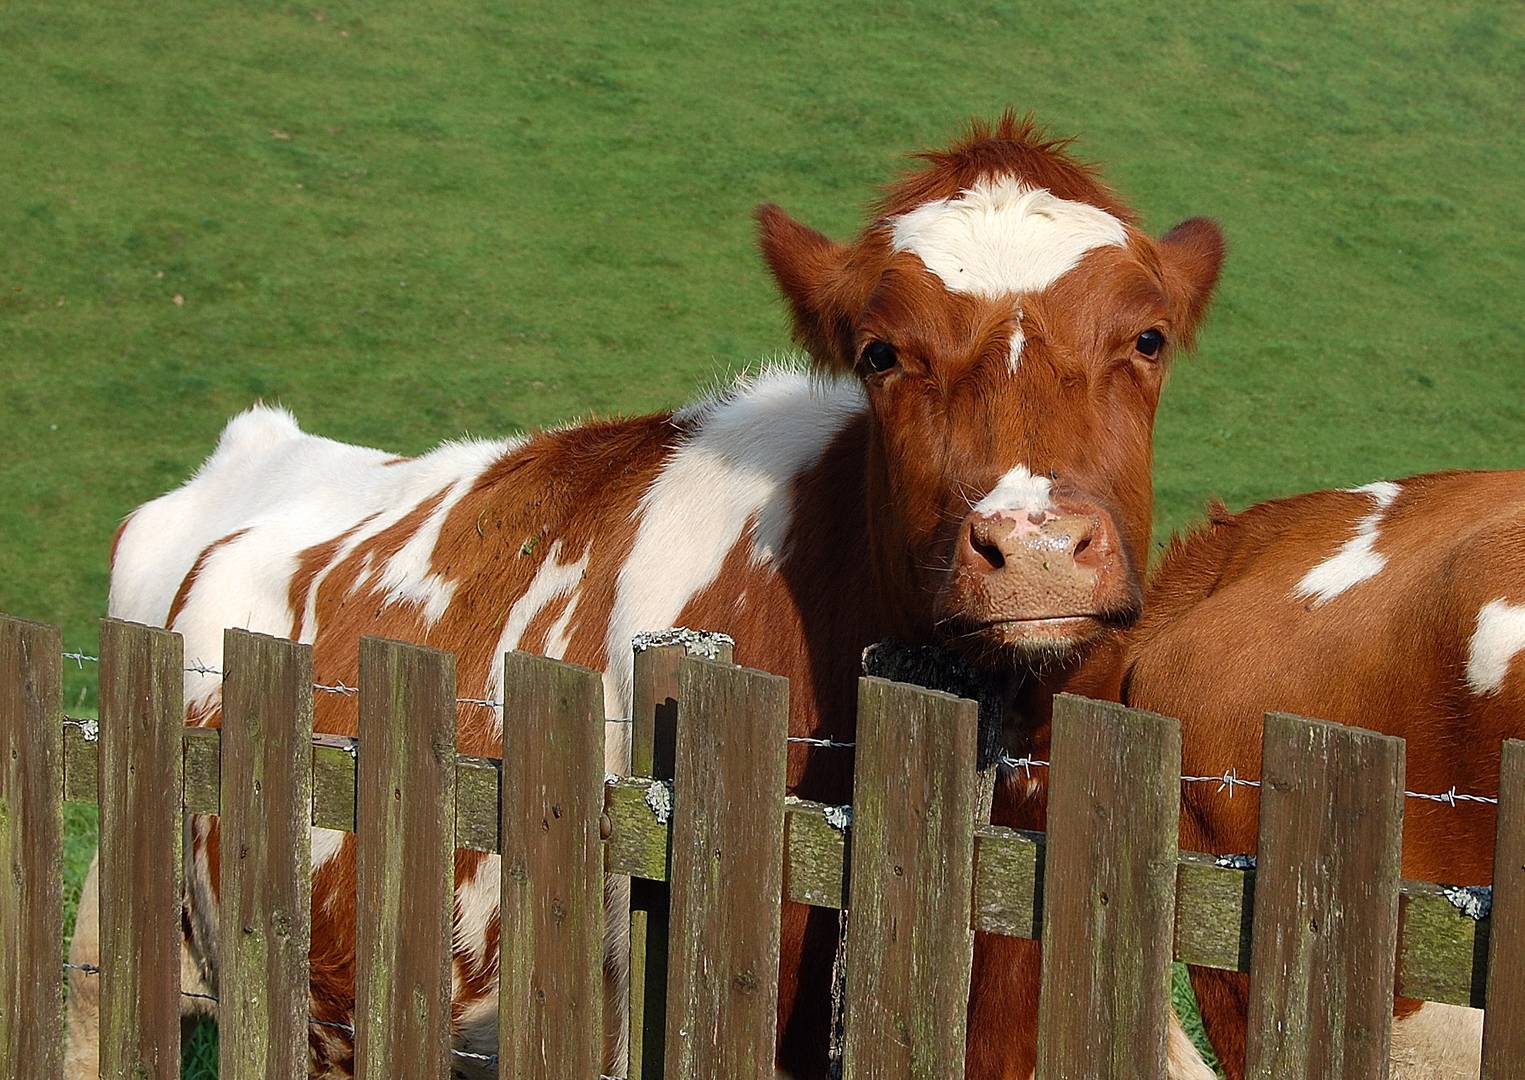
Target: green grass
[(409, 221)]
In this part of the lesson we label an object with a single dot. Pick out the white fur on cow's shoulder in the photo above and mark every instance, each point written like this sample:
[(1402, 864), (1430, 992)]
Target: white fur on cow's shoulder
[(736, 467)]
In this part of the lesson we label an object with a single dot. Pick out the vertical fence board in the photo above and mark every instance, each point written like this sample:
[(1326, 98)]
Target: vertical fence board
[(727, 872), (550, 1009), (1504, 1020), (31, 851), (405, 811), (265, 906), (653, 729), (653, 742), (1108, 891), (142, 718), (910, 938), (1325, 933)]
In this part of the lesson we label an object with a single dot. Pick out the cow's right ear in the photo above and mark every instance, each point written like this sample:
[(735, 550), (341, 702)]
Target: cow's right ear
[(814, 275)]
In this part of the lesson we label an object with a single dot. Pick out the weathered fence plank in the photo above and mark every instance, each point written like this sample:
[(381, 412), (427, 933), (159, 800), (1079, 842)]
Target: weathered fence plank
[(1109, 891), (1213, 908), (405, 811), (550, 1015), (653, 744), (727, 872), (1504, 1020), (1326, 901), (265, 902), (1442, 951), (909, 938), (31, 851), (142, 718)]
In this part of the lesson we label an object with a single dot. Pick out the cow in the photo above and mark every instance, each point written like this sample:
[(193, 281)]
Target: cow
[(965, 457), (1397, 606)]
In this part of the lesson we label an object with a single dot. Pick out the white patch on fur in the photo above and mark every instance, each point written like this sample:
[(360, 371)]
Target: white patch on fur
[(1357, 560), (476, 902), (737, 467), (1498, 639), (554, 578), (325, 845), (1002, 238), (1437, 1041), (1018, 490), (290, 491)]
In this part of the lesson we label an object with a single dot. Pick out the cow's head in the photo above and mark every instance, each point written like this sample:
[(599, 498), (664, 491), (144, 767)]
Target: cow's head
[(1012, 327)]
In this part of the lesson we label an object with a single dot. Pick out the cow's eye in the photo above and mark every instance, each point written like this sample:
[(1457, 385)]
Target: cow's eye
[(1149, 343), (879, 357)]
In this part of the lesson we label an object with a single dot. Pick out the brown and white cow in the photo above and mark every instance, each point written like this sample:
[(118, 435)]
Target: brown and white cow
[(967, 459), (1398, 606)]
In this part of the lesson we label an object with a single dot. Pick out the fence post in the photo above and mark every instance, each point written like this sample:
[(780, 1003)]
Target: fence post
[(31, 851), (141, 868), (653, 743), (1504, 1018), (552, 940), (910, 938), (1108, 891), (727, 872), (1325, 933), (405, 884), (265, 896)]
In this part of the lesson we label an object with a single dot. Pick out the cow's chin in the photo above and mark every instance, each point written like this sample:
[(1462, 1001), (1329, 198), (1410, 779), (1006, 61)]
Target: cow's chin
[(1038, 643)]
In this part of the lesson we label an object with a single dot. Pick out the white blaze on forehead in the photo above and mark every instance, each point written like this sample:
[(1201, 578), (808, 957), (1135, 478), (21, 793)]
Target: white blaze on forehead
[(1017, 490), (1498, 639), (1357, 559), (1001, 237)]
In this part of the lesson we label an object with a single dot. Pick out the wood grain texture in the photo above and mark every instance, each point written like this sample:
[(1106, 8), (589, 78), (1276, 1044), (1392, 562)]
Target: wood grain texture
[(653, 746), (201, 764), (1008, 881), (1442, 953), (815, 853), (1326, 901), (405, 882), (910, 941), (1109, 891), (265, 898), (1214, 906), (142, 720), (550, 1014), (31, 851), (1504, 1021), (727, 872)]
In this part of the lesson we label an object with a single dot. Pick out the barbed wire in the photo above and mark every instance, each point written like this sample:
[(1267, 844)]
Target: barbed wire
[(1228, 781), (312, 1021)]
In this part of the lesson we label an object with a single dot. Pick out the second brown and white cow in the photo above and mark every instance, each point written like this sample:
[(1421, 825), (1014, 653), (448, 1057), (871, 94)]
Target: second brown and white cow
[(966, 459), (1397, 606)]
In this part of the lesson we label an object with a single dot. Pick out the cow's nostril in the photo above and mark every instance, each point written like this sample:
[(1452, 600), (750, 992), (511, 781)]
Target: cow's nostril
[(1080, 548), (988, 553)]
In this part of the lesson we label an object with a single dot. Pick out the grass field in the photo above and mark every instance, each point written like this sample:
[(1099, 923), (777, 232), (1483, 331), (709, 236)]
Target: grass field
[(413, 221)]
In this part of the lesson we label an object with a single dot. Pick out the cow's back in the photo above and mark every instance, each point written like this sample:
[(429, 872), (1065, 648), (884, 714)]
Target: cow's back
[(1360, 607)]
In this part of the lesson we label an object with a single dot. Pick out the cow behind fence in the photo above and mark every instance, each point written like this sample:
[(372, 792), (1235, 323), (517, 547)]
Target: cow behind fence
[(706, 830)]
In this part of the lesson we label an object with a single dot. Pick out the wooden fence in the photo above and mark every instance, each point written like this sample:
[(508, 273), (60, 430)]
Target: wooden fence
[(713, 845)]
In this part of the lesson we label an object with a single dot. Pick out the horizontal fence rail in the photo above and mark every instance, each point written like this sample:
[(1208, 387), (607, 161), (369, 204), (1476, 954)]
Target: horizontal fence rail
[(698, 820)]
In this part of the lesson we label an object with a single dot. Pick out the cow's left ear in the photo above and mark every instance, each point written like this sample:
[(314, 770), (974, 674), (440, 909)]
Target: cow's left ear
[(814, 274), (1192, 255)]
